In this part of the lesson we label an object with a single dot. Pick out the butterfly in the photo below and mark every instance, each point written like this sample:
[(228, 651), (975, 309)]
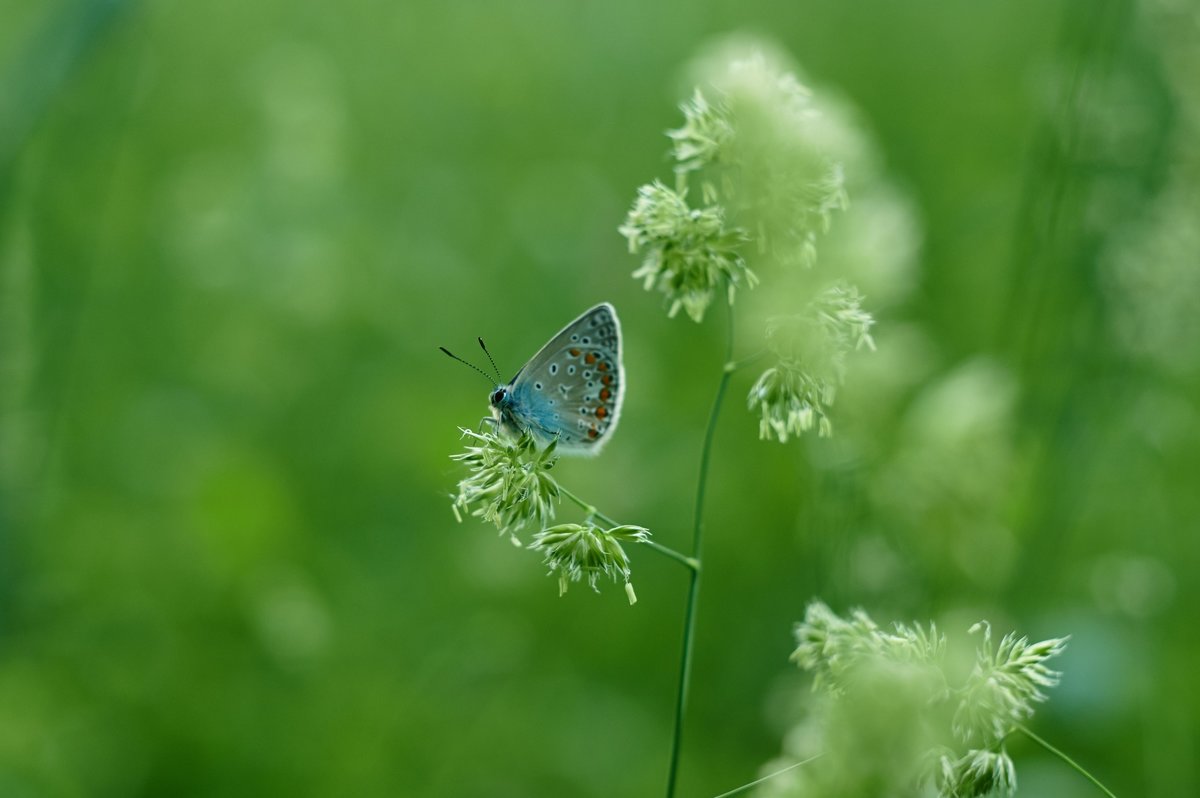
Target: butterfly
[(570, 390)]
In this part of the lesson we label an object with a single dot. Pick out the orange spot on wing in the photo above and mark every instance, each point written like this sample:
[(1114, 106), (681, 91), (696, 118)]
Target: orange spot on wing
[(574, 352), (590, 358), (604, 394), (601, 412), (606, 379), (603, 366), (592, 433)]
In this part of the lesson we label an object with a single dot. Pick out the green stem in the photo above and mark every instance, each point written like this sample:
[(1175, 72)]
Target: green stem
[(734, 365), (1065, 758), (689, 623), (768, 777), (590, 509), (690, 562)]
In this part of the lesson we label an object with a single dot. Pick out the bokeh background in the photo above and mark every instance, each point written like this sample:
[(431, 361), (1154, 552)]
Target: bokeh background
[(232, 235)]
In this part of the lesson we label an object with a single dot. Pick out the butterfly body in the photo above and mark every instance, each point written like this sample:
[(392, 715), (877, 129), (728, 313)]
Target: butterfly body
[(571, 390)]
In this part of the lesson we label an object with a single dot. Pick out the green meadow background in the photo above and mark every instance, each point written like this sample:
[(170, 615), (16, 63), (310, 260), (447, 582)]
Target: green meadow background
[(233, 234)]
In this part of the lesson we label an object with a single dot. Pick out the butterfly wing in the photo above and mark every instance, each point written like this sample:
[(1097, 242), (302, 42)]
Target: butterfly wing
[(573, 387)]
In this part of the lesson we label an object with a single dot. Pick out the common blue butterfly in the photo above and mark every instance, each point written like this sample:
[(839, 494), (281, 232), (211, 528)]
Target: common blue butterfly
[(571, 389)]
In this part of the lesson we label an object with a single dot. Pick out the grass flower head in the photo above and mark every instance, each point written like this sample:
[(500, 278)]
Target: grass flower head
[(776, 154), (509, 484), (1004, 685), (812, 347), (585, 551), (706, 134), (978, 772), (791, 402), (860, 668), (690, 253)]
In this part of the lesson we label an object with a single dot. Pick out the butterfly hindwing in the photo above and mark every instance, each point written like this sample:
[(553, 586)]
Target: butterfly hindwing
[(573, 387)]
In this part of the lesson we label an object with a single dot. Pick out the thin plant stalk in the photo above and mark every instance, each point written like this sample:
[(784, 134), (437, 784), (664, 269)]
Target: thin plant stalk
[(689, 623), (1079, 768), (768, 777), (591, 510), (690, 562)]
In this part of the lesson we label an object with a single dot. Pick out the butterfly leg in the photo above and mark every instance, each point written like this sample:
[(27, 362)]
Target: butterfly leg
[(486, 420)]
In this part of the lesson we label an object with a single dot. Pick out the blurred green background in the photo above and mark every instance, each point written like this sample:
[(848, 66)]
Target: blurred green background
[(233, 234)]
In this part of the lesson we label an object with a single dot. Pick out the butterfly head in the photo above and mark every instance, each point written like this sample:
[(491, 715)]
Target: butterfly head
[(503, 405)]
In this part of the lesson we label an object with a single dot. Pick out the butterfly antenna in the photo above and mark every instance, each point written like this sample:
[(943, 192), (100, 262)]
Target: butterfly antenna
[(453, 356), (483, 346)]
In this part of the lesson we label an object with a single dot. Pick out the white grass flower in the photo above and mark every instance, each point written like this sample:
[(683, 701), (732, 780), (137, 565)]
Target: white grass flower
[(1004, 685), (812, 347), (690, 253), (975, 774), (705, 135), (858, 664), (584, 551), (509, 484), (832, 647), (791, 402), (779, 165)]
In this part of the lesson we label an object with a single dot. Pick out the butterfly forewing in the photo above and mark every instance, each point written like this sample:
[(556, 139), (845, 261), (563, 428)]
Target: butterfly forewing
[(573, 387)]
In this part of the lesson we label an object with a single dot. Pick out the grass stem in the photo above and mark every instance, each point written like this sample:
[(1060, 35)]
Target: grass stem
[(690, 562), (689, 623), (1065, 758), (768, 777)]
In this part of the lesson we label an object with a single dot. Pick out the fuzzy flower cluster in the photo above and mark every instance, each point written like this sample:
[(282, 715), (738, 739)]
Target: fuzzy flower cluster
[(585, 551), (818, 201), (831, 647), (843, 324), (1004, 685), (706, 133), (978, 772), (768, 163), (688, 252), (509, 483), (793, 396), (758, 155), (779, 169), (961, 726), (791, 402)]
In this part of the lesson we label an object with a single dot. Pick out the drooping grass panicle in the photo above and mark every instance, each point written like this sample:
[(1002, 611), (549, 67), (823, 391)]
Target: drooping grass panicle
[(831, 647), (1004, 685), (509, 484), (779, 170), (791, 402), (689, 253), (765, 161), (978, 772), (811, 348), (705, 135), (587, 552), (858, 665), (839, 313)]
